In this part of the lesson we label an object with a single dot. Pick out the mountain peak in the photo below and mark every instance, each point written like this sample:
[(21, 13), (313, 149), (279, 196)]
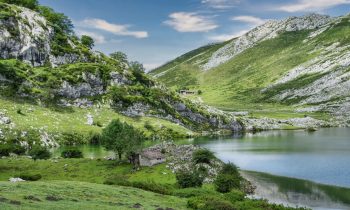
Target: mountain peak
[(269, 30)]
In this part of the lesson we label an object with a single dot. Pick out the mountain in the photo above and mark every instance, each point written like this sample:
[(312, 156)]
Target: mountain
[(281, 69), (54, 85)]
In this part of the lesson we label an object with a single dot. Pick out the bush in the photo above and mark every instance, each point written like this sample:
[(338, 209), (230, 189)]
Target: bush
[(30, 177), (72, 139), (39, 152), (187, 179), (224, 183), (234, 196), (148, 185), (148, 126), (209, 203), (230, 168), (193, 192), (203, 156), (5, 149), (98, 124), (72, 153), (95, 138)]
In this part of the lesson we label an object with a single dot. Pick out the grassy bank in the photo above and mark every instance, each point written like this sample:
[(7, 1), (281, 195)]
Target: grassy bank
[(81, 195), (81, 184)]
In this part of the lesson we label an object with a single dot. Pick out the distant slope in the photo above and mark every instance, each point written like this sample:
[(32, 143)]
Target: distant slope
[(183, 70), (298, 61)]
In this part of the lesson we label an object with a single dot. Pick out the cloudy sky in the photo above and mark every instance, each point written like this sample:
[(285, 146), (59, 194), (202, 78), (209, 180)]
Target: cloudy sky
[(156, 31)]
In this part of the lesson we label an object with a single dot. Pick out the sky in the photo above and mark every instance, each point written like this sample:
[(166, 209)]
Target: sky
[(156, 31)]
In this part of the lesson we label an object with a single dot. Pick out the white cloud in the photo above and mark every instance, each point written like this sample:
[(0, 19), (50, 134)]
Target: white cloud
[(255, 21), (122, 30), (314, 5), (221, 4), (226, 37), (190, 22), (98, 38)]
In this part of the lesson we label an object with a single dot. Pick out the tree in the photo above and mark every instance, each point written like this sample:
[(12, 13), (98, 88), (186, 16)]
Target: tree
[(87, 41), (61, 23), (137, 67), (120, 57), (31, 4), (123, 139)]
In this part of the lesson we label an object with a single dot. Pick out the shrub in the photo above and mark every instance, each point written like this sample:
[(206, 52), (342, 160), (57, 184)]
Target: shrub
[(234, 196), (203, 156), (98, 124), (39, 152), (30, 177), (193, 192), (17, 149), (148, 126), (224, 183), (230, 168), (95, 138), (72, 139), (148, 185), (187, 179), (72, 153), (209, 203), (5, 150)]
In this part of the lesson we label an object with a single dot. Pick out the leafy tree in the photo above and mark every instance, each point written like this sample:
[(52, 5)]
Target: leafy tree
[(87, 41), (120, 57), (137, 67), (61, 23), (122, 138), (31, 4)]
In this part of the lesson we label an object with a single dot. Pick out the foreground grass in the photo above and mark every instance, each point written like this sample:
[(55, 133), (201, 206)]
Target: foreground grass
[(81, 195), (86, 170), (81, 184)]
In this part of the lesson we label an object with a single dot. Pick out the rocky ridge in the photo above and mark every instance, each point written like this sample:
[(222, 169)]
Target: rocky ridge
[(269, 30)]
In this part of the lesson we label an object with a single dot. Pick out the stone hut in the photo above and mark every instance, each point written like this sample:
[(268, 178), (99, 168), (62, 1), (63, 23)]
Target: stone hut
[(151, 157)]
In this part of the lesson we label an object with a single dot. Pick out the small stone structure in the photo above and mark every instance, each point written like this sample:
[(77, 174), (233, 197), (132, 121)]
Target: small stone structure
[(151, 157)]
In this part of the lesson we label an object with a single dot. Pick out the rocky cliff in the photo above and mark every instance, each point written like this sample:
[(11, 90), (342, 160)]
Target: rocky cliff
[(28, 36)]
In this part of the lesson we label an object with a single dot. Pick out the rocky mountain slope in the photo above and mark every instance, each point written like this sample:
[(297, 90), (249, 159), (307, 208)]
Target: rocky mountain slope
[(299, 64), (44, 66)]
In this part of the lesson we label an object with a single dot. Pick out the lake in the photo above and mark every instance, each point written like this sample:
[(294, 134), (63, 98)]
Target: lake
[(296, 168), (320, 157)]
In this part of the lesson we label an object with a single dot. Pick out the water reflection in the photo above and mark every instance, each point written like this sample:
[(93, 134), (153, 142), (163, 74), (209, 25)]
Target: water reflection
[(296, 192)]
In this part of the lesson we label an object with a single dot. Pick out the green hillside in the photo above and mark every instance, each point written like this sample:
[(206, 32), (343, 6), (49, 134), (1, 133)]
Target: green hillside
[(238, 83)]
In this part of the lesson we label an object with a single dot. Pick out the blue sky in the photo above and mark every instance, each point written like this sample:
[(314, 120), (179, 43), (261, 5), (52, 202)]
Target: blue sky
[(156, 31)]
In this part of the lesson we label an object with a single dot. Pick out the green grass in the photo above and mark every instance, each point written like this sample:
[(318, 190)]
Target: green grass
[(81, 195), (236, 85), (73, 119)]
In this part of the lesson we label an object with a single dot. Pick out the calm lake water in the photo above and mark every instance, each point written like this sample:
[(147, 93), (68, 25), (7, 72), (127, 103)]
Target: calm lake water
[(320, 157), (296, 168)]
